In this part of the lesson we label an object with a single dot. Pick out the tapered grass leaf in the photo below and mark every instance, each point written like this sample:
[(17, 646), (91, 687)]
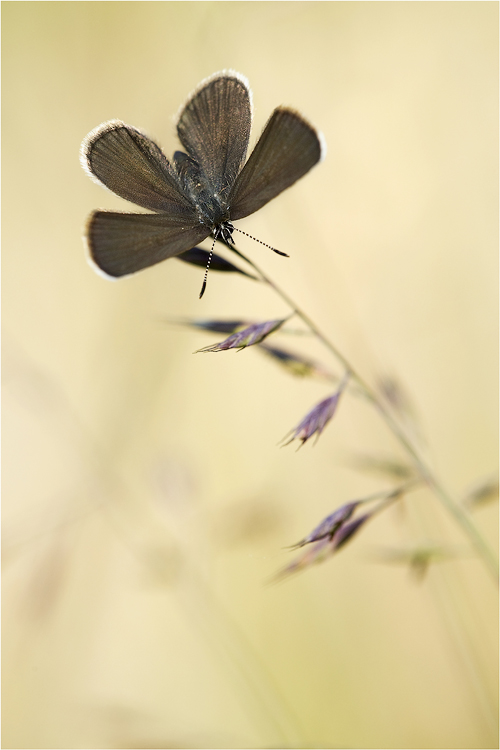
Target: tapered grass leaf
[(215, 325), (197, 256)]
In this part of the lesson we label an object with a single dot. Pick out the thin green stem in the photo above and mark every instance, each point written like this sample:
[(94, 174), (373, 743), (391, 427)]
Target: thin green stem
[(422, 467)]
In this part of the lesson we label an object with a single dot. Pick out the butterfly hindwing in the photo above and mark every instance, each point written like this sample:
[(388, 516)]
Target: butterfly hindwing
[(123, 243)]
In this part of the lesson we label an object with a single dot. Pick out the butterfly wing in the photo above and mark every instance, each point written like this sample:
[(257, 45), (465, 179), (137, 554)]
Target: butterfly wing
[(214, 128), (131, 165), (287, 149), (120, 243)]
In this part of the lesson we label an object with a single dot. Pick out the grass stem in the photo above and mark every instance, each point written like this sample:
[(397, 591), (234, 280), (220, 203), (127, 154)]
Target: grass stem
[(458, 513)]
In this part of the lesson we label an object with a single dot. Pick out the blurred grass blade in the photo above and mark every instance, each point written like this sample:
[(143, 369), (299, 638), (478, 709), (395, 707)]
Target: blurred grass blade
[(295, 364), (418, 559), (483, 493), (392, 467)]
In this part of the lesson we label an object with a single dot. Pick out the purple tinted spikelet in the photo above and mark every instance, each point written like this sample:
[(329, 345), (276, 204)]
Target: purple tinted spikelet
[(330, 524), (250, 336), (315, 554), (316, 420), (324, 547), (348, 530)]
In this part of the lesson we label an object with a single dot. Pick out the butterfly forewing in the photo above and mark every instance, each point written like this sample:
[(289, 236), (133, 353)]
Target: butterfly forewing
[(121, 243), (214, 128), (134, 167), (286, 150)]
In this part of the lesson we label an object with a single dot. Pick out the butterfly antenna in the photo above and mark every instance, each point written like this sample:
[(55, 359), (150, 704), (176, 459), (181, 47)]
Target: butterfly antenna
[(204, 285), (262, 243)]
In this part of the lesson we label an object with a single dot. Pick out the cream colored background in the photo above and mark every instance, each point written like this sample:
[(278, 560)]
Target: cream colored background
[(145, 502)]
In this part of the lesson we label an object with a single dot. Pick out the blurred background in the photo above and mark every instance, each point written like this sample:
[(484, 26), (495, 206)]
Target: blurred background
[(145, 501)]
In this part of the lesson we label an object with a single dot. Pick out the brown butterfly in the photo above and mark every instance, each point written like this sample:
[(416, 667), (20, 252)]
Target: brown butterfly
[(202, 190)]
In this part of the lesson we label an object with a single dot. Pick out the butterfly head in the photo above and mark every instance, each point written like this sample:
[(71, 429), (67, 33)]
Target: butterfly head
[(224, 232)]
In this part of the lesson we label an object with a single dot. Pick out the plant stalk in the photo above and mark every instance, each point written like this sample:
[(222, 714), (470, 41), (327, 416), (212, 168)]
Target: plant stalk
[(424, 470)]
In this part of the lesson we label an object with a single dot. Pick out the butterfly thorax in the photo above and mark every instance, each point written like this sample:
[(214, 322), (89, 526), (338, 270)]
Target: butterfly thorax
[(210, 205)]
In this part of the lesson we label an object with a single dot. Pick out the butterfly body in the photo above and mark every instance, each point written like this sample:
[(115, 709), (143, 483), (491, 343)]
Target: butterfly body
[(204, 188)]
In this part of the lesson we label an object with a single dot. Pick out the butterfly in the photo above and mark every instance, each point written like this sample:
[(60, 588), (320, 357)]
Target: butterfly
[(204, 188)]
